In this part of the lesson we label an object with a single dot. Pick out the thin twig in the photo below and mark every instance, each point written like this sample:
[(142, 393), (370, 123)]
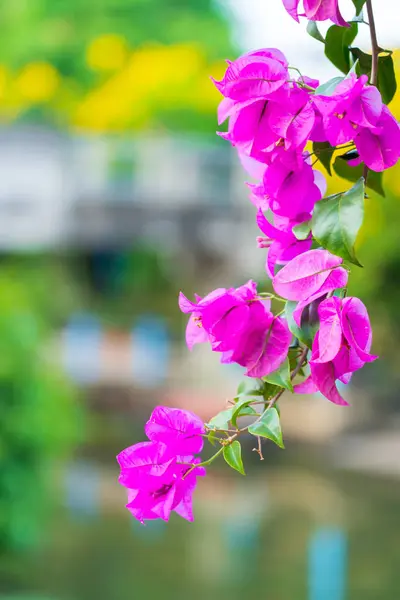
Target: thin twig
[(374, 44), (258, 449), (375, 57)]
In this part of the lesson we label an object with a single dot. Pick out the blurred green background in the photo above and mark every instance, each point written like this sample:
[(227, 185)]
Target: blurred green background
[(115, 193)]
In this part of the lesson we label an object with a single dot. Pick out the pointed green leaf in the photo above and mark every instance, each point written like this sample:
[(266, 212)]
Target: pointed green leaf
[(248, 388), (212, 437), (386, 74), (337, 219), (337, 42), (302, 231), (270, 390), (233, 456), (328, 88), (221, 420), (312, 29), (324, 151), (281, 377), (305, 333), (242, 408), (387, 84), (268, 426), (359, 5), (374, 180)]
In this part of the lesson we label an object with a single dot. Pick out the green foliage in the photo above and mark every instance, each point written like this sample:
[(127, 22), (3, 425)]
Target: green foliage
[(314, 32), (328, 88), (358, 5), (374, 180), (39, 416), (302, 231), (281, 377), (233, 456), (387, 84), (337, 42), (268, 426), (324, 151), (337, 219), (221, 420)]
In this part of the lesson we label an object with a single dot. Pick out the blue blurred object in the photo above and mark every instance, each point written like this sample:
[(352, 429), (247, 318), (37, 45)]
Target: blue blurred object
[(82, 339), (82, 489), (150, 351), (327, 555)]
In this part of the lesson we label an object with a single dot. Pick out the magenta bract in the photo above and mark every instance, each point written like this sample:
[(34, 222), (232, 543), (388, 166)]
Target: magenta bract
[(316, 10), (341, 346), (155, 472), (242, 328)]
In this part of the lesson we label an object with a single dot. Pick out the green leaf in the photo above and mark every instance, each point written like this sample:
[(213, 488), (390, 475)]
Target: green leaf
[(212, 437), (233, 456), (387, 84), (359, 5), (268, 426), (246, 388), (305, 333), (386, 74), (328, 88), (281, 376), (337, 220), (302, 231), (312, 29), (242, 408), (337, 42), (324, 151), (374, 180), (269, 390), (221, 420)]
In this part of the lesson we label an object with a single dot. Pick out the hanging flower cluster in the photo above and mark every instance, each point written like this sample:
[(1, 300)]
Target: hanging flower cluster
[(281, 125), (160, 475)]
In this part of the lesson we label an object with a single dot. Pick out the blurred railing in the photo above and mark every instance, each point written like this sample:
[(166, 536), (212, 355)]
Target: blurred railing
[(75, 191)]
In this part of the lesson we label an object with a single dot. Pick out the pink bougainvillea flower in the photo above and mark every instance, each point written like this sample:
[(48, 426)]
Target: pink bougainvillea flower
[(180, 430), (305, 274), (254, 75), (293, 119), (249, 129), (155, 480), (353, 106), (356, 328), (316, 10), (156, 472), (330, 329), (292, 190), (379, 147), (222, 314), (265, 344), (241, 326), (341, 346), (280, 240), (308, 277)]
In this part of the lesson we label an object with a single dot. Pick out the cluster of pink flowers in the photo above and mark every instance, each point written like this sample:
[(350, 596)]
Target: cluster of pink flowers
[(157, 473), (272, 117)]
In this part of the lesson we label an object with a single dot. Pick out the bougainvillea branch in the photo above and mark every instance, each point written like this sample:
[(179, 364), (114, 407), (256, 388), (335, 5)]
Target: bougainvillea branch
[(374, 43), (282, 127)]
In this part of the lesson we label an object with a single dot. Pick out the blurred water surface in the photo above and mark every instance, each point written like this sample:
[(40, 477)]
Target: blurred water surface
[(289, 531)]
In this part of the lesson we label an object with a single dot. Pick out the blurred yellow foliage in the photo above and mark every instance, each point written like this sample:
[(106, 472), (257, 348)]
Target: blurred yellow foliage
[(37, 82), (154, 78), (107, 53)]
